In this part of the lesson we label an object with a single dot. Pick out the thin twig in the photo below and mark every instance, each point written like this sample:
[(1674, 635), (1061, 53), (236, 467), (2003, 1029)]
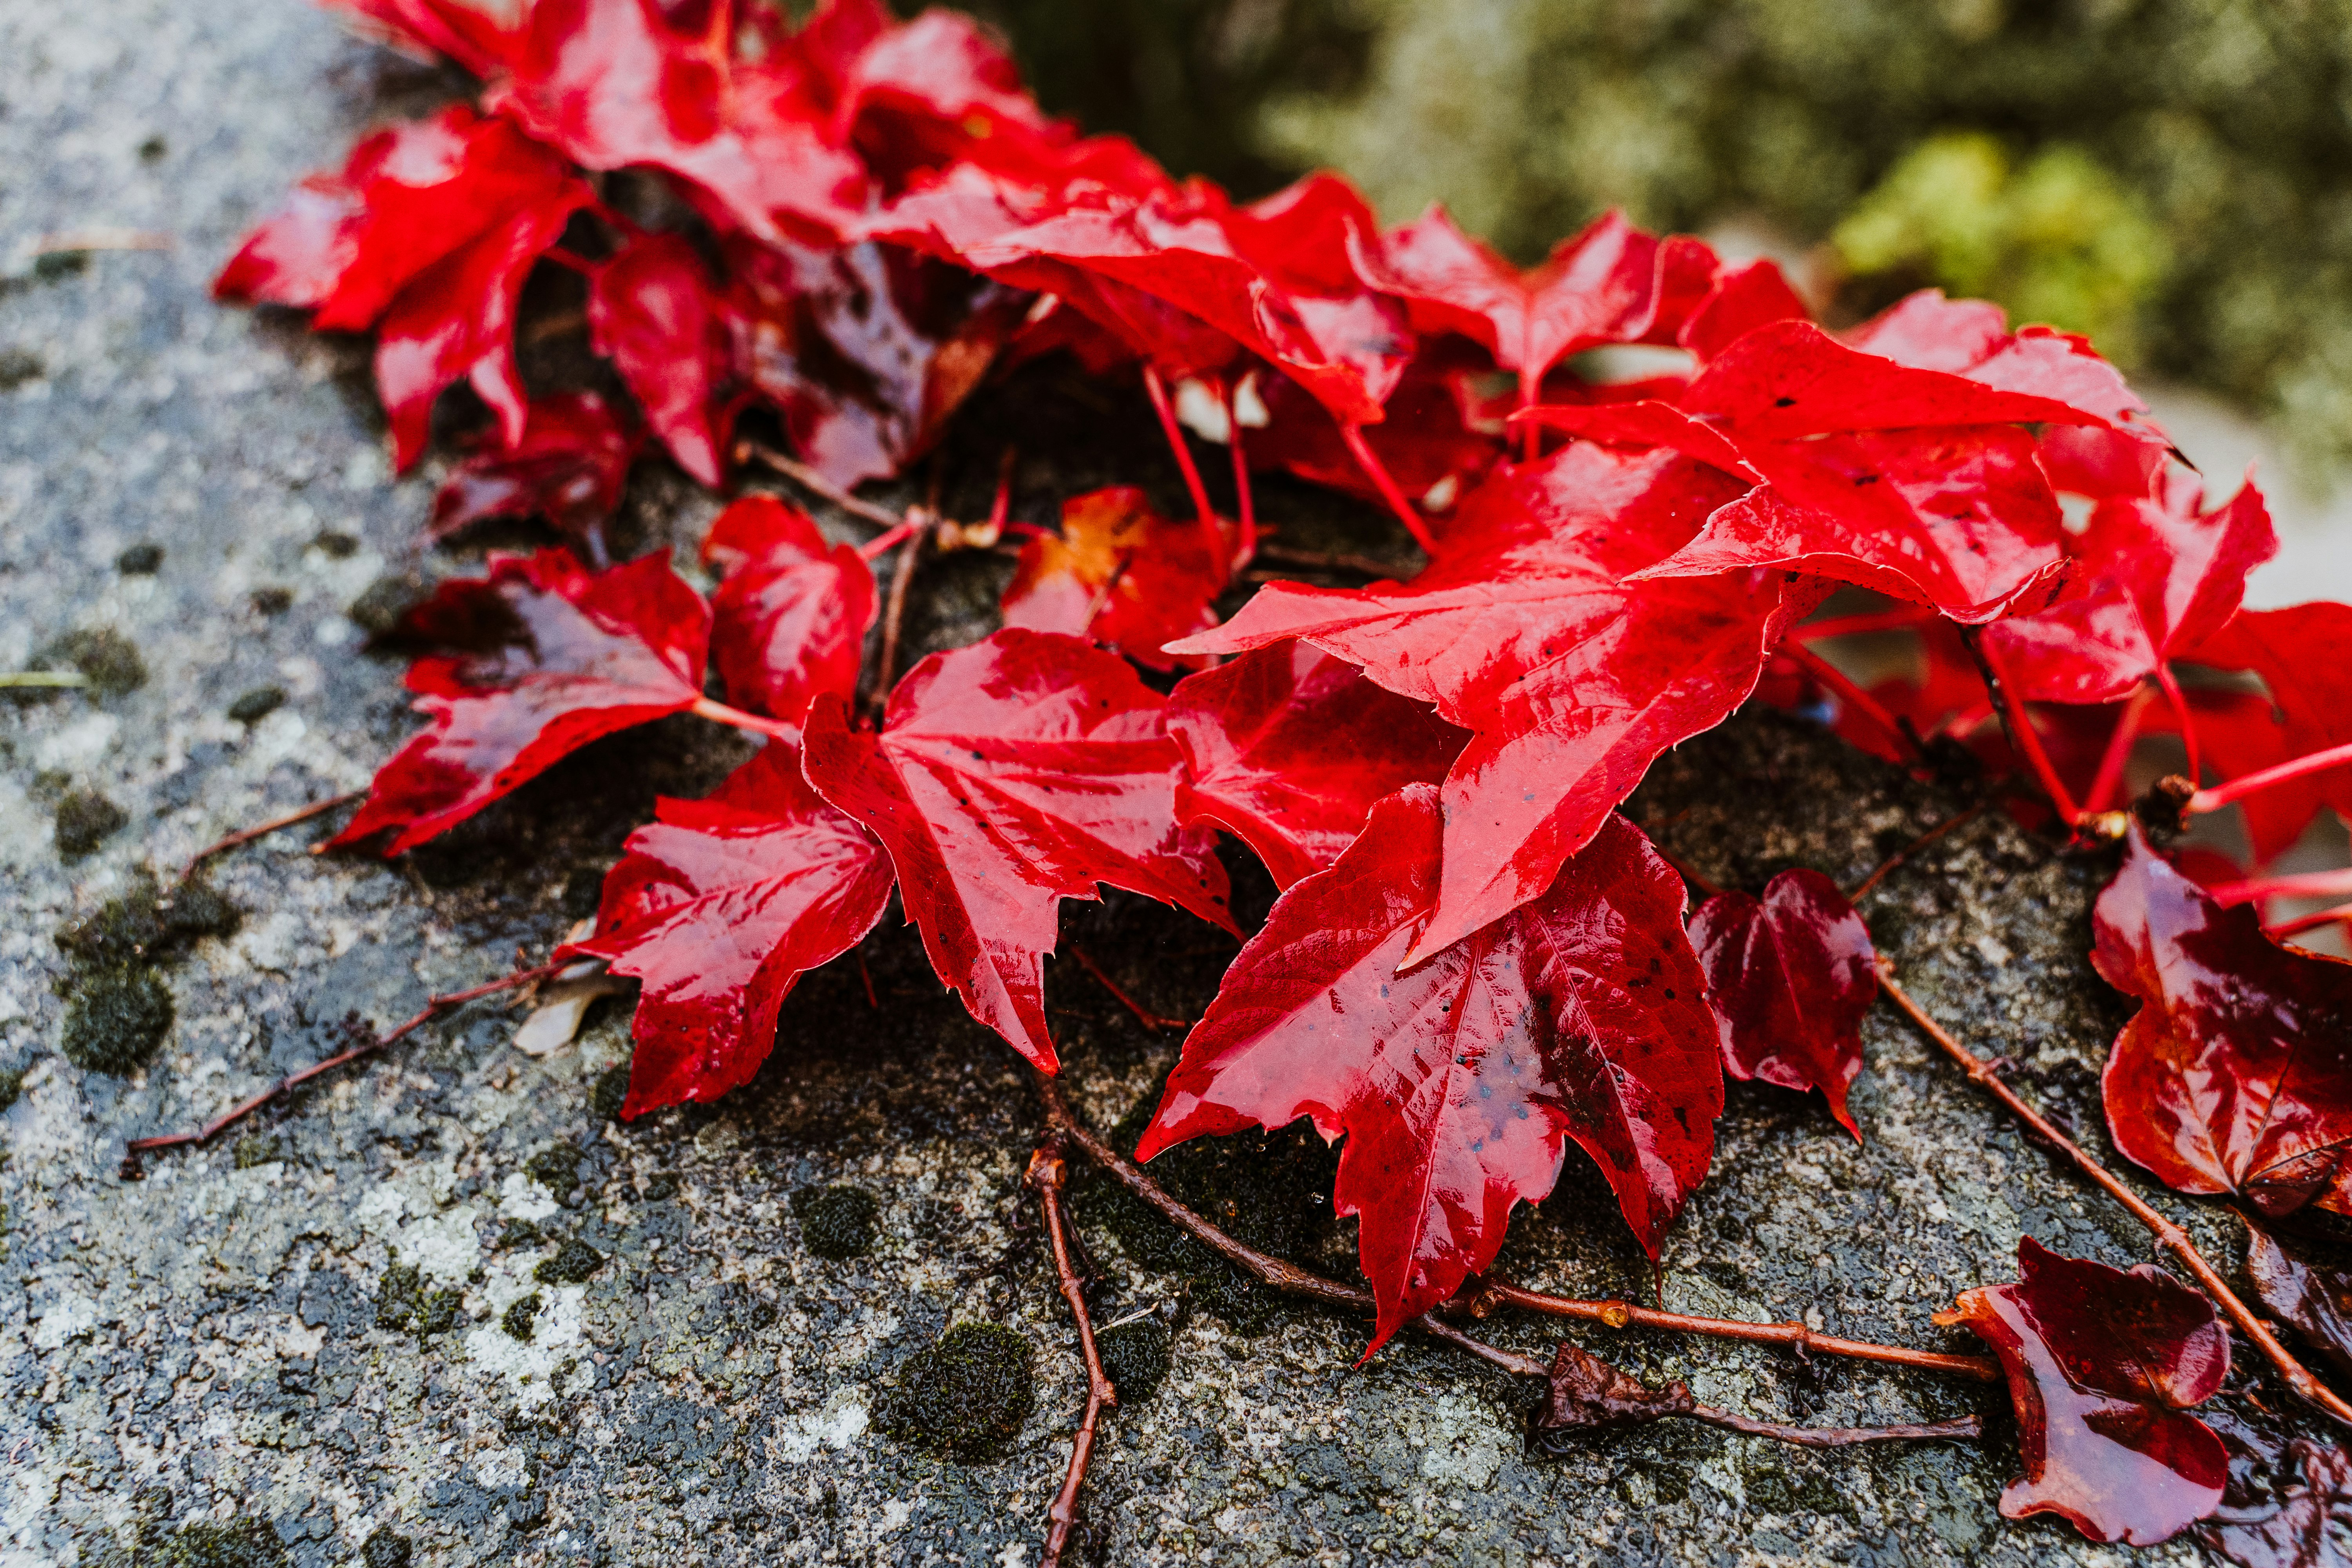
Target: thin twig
[(1385, 484), (1796, 1337), (1888, 867), (894, 617), (1965, 1429), (809, 479), (434, 1008), (2018, 724), (1245, 503), (68, 241), (1143, 1015), (1049, 1172), (1293, 1280), (2168, 1236), (246, 836), (45, 679), (1211, 537)]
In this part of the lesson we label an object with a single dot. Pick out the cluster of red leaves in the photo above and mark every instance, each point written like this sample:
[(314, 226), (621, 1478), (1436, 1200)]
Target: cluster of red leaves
[(1474, 960)]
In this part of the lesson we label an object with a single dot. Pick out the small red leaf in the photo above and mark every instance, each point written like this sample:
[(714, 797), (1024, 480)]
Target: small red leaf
[(720, 906), (1120, 574), (1458, 1081), (2303, 654), (1742, 299), (549, 657), (570, 467), (789, 621), (2314, 1298), (2103, 1366), (652, 311), (1008, 776), (1290, 748), (2235, 1075), (1790, 975)]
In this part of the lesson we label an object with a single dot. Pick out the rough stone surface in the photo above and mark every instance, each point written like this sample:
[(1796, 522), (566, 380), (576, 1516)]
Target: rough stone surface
[(443, 1309)]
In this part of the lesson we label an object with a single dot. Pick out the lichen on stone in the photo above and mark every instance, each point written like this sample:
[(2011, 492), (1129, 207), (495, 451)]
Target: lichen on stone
[(146, 923), (964, 1397), (115, 1019), (385, 1549), (86, 819), (573, 1263), (107, 659), (517, 1320), (836, 1222), (244, 1543), (404, 1305), (556, 1168)]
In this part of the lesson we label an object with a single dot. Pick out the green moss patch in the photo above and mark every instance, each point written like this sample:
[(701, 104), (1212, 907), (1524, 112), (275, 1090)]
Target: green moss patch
[(572, 1264), (609, 1092), (964, 1397), (107, 659), (240, 1543), (86, 819), (257, 704), (147, 923), (115, 1020), (836, 1222), (518, 1320), (556, 1168), (1136, 1356), (405, 1306)]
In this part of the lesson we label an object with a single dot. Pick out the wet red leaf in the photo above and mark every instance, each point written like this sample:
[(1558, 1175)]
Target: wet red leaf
[(1008, 776), (570, 467), (655, 313), (1971, 338), (1120, 575), (2235, 1075), (2154, 577), (790, 616), (2304, 1525), (719, 906), (1571, 678), (1789, 975), (2312, 1297), (1585, 1394), (1290, 748), (2103, 1366), (545, 657), (1742, 299), (1458, 1081)]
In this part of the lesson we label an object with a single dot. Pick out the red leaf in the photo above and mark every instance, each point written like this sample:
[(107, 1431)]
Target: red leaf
[(1290, 748), (1120, 575), (720, 906), (2103, 1365), (652, 311), (549, 656), (1971, 338), (1790, 975), (1457, 1082), (1742, 299), (1434, 442), (570, 467), (2312, 1297), (1570, 678), (2302, 1527), (1917, 483), (865, 350), (2235, 1075), (2303, 654), (1611, 284), (789, 621), (468, 34), (1008, 776), (2157, 577)]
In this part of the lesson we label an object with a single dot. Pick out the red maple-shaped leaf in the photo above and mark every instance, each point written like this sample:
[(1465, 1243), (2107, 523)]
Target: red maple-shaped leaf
[(865, 350), (546, 657), (1743, 298), (570, 467), (1571, 678), (2157, 577), (654, 312), (1918, 483), (789, 618), (1790, 974), (1119, 574), (2303, 655), (2235, 1075), (1971, 338), (1458, 1081), (1611, 284), (719, 906), (2103, 1366), (1291, 749), (1008, 776)]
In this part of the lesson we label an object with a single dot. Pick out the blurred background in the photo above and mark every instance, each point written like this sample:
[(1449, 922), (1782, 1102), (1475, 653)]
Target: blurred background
[(2172, 177)]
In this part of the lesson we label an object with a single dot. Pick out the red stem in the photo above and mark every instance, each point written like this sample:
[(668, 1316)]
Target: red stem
[(2341, 913), (1530, 430), (246, 836), (717, 711), (2118, 752), (2296, 885), (1049, 1171), (1375, 471), (2020, 725), (2180, 710), (1210, 535), (890, 538), (2238, 788), (1852, 695), (1143, 1015), (1245, 542)]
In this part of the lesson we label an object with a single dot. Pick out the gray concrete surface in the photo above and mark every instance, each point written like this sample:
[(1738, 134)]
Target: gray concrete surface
[(293, 1343)]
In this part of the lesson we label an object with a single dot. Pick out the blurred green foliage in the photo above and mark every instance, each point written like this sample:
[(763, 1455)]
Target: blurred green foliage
[(2173, 175)]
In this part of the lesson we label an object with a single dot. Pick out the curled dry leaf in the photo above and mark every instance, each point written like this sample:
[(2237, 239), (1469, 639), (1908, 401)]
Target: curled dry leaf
[(1585, 1394), (1790, 975), (719, 906), (2104, 1366), (1458, 1081), (1006, 777), (1120, 575), (2314, 1298), (789, 615), (1291, 749), (2235, 1075), (545, 657)]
